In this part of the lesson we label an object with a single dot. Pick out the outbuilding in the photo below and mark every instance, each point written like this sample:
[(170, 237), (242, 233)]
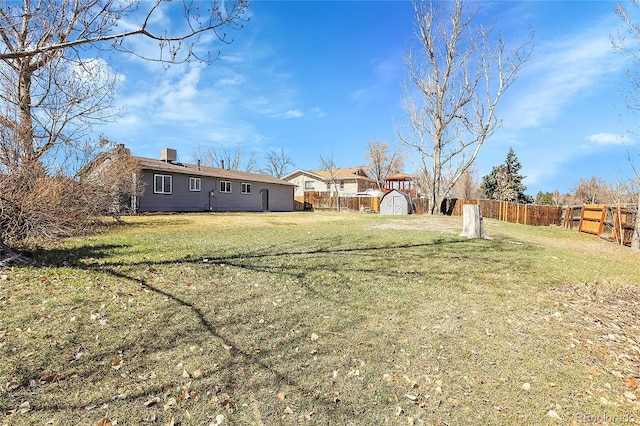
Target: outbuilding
[(396, 202)]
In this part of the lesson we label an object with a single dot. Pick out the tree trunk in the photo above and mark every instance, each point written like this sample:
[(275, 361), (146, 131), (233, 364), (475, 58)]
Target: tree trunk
[(472, 222), (635, 238)]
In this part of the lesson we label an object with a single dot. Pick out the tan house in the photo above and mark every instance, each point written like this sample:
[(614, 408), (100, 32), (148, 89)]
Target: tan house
[(347, 181)]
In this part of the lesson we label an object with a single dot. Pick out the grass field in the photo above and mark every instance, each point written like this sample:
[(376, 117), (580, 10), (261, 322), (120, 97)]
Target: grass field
[(321, 318)]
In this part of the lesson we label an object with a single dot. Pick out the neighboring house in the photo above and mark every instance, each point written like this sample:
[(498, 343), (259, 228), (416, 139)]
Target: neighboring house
[(171, 186), (348, 181)]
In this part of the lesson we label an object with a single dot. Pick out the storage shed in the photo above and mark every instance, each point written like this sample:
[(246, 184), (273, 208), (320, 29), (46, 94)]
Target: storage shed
[(396, 202)]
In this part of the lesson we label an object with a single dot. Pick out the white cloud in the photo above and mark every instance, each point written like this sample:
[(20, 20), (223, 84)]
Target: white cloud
[(610, 139), (178, 98), (96, 72), (294, 113), (234, 80), (559, 72), (318, 112)]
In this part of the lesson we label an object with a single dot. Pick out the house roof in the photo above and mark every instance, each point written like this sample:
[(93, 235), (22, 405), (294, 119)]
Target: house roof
[(344, 173), (194, 170), (357, 173)]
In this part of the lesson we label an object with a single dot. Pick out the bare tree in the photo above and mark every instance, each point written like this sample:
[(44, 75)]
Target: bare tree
[(51, 91), (468, 186), (382, 162), (113, 178), (329, 165), (631, 96), (635, 183), (277, 163), (51, 87), (232, 159), (593, 191), (457, 76)]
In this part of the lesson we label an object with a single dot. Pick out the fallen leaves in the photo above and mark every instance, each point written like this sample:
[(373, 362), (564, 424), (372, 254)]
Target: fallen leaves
[(23, 408), (12, 384), (607, 320), (219, 419), (152, 401), (117, 363), (553, 415)]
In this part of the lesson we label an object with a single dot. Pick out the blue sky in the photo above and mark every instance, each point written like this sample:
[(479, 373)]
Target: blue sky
[(322, 78)]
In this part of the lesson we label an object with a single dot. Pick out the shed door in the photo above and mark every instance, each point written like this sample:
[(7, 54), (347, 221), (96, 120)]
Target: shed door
[(265, 199), (398, 205)]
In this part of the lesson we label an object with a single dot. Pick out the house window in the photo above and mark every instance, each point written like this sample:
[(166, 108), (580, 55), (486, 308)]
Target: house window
[(309, 185), (246, 188), (328, 186), (225, 186), (194, 184), (342, 184), (162, 184)]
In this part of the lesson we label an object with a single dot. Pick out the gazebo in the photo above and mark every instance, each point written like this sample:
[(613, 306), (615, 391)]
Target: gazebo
[(402, 182)]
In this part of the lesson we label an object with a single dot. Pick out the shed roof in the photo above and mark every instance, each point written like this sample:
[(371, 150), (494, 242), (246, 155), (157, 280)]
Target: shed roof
[(397, 193)]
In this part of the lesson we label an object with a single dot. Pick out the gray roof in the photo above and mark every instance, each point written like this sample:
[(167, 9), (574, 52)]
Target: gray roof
[(205, 171)]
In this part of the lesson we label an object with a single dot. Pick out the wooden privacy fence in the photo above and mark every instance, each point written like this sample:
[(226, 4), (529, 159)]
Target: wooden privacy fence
[(612, 223), (325, 201), (525, 214)]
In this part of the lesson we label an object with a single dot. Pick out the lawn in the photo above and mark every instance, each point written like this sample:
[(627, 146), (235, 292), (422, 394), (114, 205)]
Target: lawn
[(321, 318)]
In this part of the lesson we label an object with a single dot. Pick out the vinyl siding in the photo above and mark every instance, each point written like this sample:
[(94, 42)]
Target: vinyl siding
[(209, 198)]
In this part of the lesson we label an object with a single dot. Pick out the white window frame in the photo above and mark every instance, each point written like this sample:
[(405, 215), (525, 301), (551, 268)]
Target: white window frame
[(162, 189), (225, 186), (195, 184), (309, 185), (245, 188)]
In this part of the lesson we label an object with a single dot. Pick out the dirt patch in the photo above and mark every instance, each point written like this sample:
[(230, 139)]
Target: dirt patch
[(439, 224)]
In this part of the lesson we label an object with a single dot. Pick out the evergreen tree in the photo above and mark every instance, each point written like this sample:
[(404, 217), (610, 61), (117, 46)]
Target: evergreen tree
[(545, 198), (505, 182)]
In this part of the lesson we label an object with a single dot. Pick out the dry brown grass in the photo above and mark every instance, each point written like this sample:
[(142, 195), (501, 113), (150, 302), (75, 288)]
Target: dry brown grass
[(325, 319)]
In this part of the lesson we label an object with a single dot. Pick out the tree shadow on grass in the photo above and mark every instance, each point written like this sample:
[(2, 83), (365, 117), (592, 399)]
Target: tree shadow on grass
[(75, 256), (273, 261)]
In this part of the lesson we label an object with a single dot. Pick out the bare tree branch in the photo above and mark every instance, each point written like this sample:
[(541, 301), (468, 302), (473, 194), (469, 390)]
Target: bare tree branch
[(631, 97), (328, 164), (277, 163), (52, 91), (456, 78), (226, 158), (383, 163)]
